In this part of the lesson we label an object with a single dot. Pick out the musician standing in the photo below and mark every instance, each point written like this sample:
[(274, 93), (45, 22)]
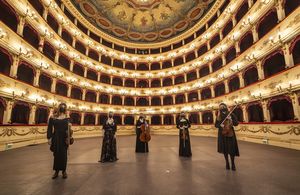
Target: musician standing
[(141, 147), (183, 124), (227, 142)]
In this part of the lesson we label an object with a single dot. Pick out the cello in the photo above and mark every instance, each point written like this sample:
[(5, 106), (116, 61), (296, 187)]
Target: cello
[(145, 133)]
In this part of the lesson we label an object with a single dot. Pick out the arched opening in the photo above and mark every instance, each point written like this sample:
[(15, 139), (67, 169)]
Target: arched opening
[(49, 51), (118, 119), (25, 73), (246, 41), (105, 79), (190, 56), (91, 74), (117, 81), (179, 79), (142, 66), (167, 82), (129, 120), (202, 50), (67, 37), (215, 40), (45, 82), (241, 11), (274, 63), (207, 118), (89, 119), (142, 101), (178, 61), (204, 71), (191, 76), (8, 16), (295, 51), (290, 6), (230, 55), (129, 83), (180, 99), (117, 63), (205, 94), (238, 112), (106, 60), (142, 84), (281, 109), (234, 84), (20, 113), (78, 69), (6, 62), (250, 76), (155, 83), (116, 100), (268, 22), (61, 88), (52, 22), (129, 101), (93, 54), (217, 64), (75, 118), (255, 113), (90, 96), (37, 6), (2, 109), (104, 99), (80, 47), (168, 100), (166, 64), (41, 115), (227, 28), (76, 93), (194, 118), (193, 96), (31, 36), (155, 101), (168, 120), (155, 120), (155, 66), (129, 66), (64, 61), (102, 118), (219, 89)]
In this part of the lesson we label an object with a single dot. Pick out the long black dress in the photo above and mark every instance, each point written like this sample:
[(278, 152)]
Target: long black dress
[(184, 145), (109, 144), (140, 147), (58, 132), (227, 145)]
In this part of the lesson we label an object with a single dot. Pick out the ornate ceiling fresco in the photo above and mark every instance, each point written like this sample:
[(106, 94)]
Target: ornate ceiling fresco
[(143, 20)]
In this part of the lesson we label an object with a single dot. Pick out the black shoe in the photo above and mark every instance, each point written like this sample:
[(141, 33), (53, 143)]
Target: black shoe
[(65, 175), (233, 167), (55, 175)]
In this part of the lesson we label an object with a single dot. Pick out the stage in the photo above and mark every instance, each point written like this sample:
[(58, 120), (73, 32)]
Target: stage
[(261, 169)]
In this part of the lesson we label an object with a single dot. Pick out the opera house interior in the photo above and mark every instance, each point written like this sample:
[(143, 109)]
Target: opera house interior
[(86, 82)]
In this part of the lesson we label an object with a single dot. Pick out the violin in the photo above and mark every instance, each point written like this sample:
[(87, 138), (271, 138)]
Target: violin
[(228, 125), (145, 133)]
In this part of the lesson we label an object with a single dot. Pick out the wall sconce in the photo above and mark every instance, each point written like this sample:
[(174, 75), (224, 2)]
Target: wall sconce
[(59, 74), (76, 33), (43, 65), (251, 57), (29, 13), (160, 58), (135, 58), (149, 59), (2, 33), (24, 52), (265, 2), (52, 4)]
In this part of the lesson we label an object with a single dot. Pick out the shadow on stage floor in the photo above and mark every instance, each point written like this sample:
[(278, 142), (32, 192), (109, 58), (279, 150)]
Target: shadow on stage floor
[(261, 169)]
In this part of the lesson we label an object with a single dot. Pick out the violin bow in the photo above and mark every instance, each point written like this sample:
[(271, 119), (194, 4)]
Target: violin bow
[(229, 114)]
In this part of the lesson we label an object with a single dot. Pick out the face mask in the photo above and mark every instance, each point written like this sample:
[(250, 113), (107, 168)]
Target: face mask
[(110, 116)]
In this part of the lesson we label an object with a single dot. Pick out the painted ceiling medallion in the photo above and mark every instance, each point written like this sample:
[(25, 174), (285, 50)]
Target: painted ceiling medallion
[(143, 20)]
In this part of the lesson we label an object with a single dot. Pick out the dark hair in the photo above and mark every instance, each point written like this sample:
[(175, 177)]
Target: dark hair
[(61, 105)]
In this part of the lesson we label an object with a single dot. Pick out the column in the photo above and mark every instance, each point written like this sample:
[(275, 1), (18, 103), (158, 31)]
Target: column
[(97, 96), (69, 90), (41, 44), (83, 94), (212, 91), (226, 86), (254, 34), (14, 66), (296, 108), (98, 76), (53, 85), (82, 118), (200, 118), (97, 119), (245, 113), (56, 56), (122, 122), (71, 65), (174, 118), (260, 70), (162, 119), (242, 82), (37, 78), (186, 97), (280, 11), (32, 115), (266, 110), (85, 72), (20, 26), (199, 95), (288, 58), (7, 112)]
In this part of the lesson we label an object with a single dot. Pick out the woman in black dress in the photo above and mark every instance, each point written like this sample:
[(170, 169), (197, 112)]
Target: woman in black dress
[(227, 144), (140, 147), (183, 124), (57, 135), (109, 145)]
